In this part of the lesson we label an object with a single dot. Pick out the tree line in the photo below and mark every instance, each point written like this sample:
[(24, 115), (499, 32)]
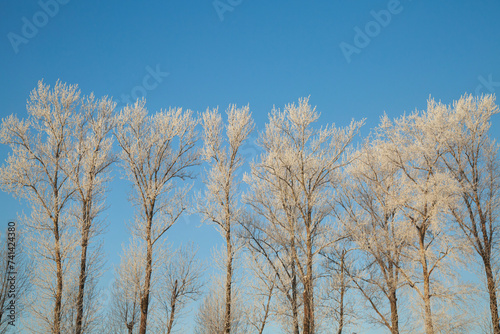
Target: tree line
[(322, 231)]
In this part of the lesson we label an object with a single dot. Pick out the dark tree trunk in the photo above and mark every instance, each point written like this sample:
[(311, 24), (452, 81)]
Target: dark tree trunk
[(492, 294), (266, 313), (229, 278), (394, 312), (342, 294), (147, 279), (295, 312), (130, 327), (83, 268), (429, 327), (173, 299), (308, 288), (59, 284)]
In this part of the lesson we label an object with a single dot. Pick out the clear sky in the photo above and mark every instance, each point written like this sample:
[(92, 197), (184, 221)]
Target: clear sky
[(356, 59)]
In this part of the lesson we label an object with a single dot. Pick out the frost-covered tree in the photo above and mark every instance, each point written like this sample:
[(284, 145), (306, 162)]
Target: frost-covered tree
[(291, 188), (90, 161), (125, 304), (371, 217), (156, 151), (416, 144), (211, 315), (336, 302), (179, 282), (220, 203), (473, 161), (38, 170), (261, 285), (60, 156), (270, 248)]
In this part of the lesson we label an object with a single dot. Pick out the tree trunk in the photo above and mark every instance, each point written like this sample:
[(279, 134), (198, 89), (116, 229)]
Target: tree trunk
[(490, 280), (266, 313), (429, 327), (295, 312), (308, 290), (147, 280), (341, 311), (307, 309), (172, 306), (130, 328), (492, 294), (83, 269), (59, 274), (342, 294), (394, 312), (229, 278)]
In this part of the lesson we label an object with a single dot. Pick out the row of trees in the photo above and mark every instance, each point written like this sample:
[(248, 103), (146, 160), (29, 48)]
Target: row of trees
[(332, 235)]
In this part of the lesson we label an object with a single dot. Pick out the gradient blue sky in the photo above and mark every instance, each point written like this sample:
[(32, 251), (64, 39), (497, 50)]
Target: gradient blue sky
[(261, 53)]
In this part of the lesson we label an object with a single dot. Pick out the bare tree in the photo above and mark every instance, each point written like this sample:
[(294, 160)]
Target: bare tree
[(415, 144), (90, 161), (291, 185), (124, 313), (270, 247), (210, 318), (336, 298), (372, 219), (220, 204), (156, 151), (261, 285), (92, 315), (180, 281), (473, 162), (38, 170)]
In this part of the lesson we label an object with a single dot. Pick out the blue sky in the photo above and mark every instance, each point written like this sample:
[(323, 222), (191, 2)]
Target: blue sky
[(261, 53)]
